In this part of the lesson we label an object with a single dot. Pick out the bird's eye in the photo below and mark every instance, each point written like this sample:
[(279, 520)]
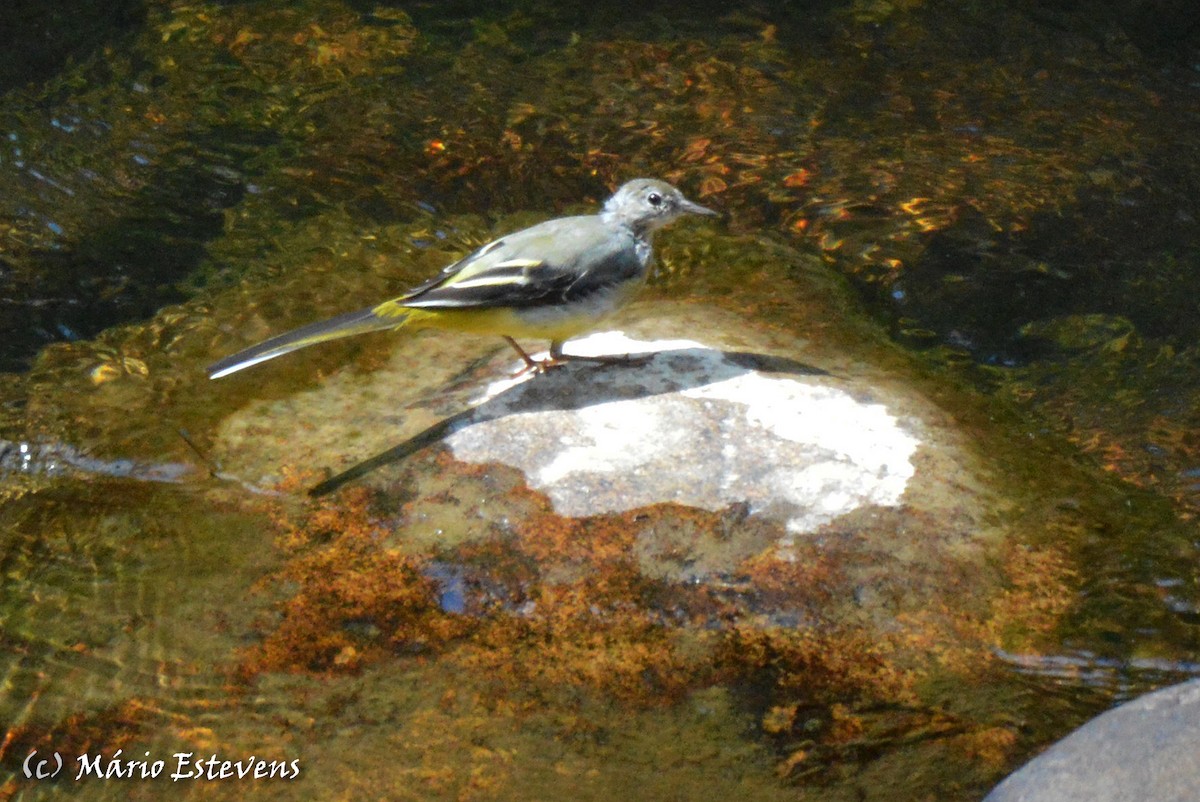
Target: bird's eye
[(654, 199)]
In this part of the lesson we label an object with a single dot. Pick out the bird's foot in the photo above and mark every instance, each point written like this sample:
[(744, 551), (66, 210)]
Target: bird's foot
[(538, 366), (557, 359)]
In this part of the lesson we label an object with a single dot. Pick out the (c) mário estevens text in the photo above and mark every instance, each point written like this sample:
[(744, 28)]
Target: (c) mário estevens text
[(186, 766)]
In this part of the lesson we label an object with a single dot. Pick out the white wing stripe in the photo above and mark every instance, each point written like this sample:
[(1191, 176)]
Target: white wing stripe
[(486, 281)]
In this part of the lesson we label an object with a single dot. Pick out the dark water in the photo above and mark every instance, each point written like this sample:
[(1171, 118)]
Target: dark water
[(1010, 188)]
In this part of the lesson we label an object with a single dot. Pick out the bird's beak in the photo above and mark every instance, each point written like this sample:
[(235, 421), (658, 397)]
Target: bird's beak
[(695, 208)]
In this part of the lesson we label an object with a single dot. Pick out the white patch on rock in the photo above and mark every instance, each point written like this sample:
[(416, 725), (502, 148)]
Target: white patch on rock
[(695, 426)]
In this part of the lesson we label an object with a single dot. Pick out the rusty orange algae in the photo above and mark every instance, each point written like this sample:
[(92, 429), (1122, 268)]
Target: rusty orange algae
[(588, 618), (823, 686), (355, 600), (559, 608), (587, 635), (1037, 588), (992, 746)]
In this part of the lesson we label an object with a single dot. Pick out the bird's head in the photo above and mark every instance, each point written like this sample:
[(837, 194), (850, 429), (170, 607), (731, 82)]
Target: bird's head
[(647, 204)]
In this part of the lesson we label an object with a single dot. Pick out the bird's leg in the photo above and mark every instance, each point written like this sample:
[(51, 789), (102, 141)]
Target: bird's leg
[(530, 362), (557, 357)]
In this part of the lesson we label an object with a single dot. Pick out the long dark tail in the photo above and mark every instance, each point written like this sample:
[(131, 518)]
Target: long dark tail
[(351, 323)]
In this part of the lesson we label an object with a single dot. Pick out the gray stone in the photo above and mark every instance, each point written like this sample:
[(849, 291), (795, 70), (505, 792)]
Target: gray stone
[(1146, 750)]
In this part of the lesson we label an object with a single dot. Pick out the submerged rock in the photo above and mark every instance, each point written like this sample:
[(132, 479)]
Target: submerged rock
[(730, 418)]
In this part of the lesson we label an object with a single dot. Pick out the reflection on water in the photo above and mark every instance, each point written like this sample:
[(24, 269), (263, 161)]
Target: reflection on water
[(1011, 191), (1123, 679)]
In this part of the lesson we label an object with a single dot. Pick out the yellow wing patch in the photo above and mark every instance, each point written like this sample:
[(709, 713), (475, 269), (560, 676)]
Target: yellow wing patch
[(389, 309)]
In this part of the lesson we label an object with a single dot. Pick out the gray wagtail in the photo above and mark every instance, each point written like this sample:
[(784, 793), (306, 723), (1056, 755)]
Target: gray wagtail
[(550, 281)]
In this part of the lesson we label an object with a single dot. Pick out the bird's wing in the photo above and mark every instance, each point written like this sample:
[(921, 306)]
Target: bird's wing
[(554, 262)]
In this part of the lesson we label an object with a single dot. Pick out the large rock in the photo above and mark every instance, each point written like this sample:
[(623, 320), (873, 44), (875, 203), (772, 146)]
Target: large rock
[(1143, 750), (728, 417)]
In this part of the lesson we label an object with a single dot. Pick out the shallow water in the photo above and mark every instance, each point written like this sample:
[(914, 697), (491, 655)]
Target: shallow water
[(1009, 194)]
